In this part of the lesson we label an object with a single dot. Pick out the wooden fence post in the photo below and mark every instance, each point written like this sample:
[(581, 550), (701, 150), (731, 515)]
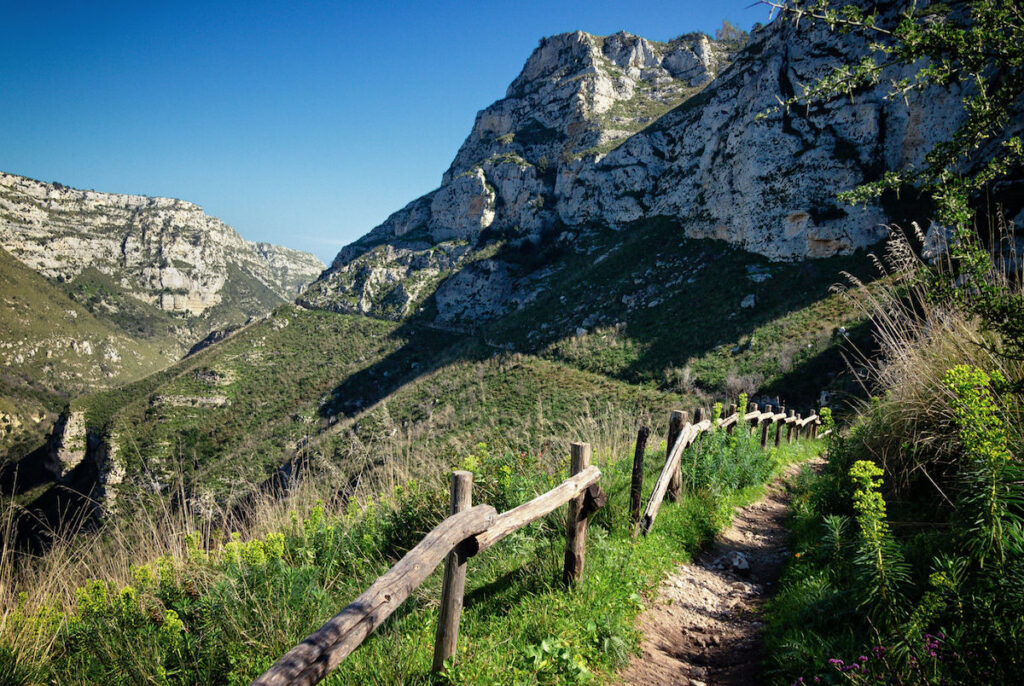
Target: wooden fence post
[(675, 424), (730, 412), (764, 429), (576, 521), (790, 425), (636, 483), (698, 417), (782, 423), (454, 585), (752, 407), (814, 425), (797, 427)]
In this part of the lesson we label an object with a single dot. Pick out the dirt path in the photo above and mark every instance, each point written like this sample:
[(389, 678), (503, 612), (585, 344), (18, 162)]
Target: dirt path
[(703, 627)]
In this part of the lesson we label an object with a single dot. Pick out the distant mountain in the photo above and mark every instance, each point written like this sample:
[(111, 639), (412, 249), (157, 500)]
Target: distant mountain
[(161, 252), (98, 289)]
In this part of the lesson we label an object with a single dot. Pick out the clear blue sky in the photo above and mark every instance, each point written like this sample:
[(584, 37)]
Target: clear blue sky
[(299, 123)]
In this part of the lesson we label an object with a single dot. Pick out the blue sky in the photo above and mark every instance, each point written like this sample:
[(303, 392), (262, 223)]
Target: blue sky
[(299, 123)]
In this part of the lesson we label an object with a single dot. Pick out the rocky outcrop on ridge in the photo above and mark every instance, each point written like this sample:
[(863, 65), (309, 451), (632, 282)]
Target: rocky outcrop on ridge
[(610, 131), (578, 96), (161, 251)]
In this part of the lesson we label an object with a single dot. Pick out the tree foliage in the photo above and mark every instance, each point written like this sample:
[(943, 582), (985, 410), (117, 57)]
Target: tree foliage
[(976, 47)]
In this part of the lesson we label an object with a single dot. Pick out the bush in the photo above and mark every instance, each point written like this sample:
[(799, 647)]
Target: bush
[(929, 472)]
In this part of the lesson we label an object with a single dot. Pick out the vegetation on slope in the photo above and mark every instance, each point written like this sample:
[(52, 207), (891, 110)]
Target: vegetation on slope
[(915, 533), (666, 328), (179, 602), (52, 348)]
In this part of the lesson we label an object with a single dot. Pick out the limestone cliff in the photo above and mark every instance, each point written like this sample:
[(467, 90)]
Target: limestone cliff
[(609, 131), (161, 251)]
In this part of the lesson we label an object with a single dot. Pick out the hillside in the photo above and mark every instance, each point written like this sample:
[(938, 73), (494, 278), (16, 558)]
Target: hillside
[(633, 229), (52, 348), (353, 394), (102, 289)]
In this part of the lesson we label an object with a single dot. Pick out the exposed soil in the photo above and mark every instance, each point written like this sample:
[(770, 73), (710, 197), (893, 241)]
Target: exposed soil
[(704, 627)]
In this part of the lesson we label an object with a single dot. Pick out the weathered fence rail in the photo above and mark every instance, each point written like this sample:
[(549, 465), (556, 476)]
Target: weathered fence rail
[(470, 530), (682, 437)]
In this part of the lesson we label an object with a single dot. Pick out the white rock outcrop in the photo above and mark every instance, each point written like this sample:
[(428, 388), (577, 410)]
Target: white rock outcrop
[(160, 250), (608, 131)]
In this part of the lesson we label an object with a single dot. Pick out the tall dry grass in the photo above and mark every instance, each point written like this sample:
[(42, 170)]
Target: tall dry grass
[(908, 427)]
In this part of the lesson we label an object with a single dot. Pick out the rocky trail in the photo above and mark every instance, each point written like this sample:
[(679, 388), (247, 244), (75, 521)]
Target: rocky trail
[(704, 626)]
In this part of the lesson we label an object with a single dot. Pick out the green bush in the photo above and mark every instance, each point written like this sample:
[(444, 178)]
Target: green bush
[(938, 599)]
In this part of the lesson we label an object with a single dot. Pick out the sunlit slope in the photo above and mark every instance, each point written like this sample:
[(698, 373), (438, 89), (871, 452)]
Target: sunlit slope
[(622, 328), (52, 348)]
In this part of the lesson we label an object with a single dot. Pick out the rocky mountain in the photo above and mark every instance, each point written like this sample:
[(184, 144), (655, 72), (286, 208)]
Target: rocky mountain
[(617, 130), (159, 251)]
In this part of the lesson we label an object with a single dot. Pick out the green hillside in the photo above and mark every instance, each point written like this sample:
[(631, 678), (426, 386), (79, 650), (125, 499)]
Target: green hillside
[(355, 392), (54, 348)]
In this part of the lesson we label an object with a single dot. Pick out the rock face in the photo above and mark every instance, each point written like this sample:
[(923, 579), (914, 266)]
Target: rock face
[(608, 131), (159, 250), (73, 445), (68, 443), (577, 97)]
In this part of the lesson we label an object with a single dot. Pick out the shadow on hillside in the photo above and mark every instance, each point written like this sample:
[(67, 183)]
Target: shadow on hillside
[(60, 512), (28, 473), (827, 370), (426, 349), (690, 295), (670, 299)]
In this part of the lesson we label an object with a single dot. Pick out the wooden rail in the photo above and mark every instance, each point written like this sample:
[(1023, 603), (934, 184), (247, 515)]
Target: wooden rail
[(469, 531), (311, 660), (687, 434)]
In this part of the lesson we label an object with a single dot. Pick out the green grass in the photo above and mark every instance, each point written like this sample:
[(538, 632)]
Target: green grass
[(275, 376), (237, 606), (686, 312), (106, 299), (954, 622)]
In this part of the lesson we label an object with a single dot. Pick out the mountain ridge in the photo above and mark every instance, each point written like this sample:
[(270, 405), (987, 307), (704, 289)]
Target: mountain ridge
[(165, 251), (617, 130)]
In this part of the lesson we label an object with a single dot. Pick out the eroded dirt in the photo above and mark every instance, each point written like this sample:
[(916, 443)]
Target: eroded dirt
[(704, 627)]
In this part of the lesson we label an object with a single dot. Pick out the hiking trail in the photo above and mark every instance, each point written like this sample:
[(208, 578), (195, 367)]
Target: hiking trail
[(704, 625)]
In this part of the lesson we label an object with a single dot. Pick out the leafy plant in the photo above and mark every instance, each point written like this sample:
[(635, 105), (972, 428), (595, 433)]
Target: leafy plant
[(882, 570), (990, 502)]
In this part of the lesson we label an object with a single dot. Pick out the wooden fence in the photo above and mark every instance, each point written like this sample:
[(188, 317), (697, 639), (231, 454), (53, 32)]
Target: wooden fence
[(470, 530)]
